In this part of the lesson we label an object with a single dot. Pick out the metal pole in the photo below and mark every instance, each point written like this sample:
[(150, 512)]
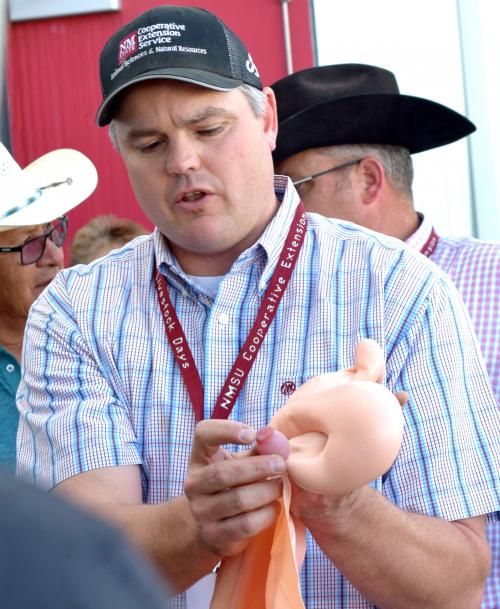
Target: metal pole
[(286, 32)]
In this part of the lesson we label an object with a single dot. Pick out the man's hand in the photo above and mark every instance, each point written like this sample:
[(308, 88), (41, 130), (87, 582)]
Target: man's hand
[(232, 499)]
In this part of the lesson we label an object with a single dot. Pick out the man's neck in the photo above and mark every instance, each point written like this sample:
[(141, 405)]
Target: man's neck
[(408, 226), (205, 265), (398, 220), (12, 334)]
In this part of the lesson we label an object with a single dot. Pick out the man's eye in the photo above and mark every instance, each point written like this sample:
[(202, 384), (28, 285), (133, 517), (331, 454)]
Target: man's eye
[(149, 147), (208, 131)]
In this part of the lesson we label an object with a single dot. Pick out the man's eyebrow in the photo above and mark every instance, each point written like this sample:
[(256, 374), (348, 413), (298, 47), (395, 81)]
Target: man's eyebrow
[(209, 112), (206, 113), (24, 234), (136, 133)]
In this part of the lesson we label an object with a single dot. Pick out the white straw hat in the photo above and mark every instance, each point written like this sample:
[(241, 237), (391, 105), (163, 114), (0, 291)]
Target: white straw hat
[(44, 190)]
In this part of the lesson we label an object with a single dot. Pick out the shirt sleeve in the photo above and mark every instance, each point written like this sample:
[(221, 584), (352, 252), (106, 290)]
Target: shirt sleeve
[(74, 417), (449, 462)]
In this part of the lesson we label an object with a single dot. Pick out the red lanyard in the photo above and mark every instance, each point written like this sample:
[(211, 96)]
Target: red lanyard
[(246, 357), (430, 245)]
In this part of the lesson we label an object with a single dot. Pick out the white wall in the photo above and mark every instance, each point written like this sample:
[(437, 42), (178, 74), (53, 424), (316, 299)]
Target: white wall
[(420, 42), (481, 53)]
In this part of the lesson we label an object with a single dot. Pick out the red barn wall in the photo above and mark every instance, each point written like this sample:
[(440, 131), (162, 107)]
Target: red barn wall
[(53, 87)]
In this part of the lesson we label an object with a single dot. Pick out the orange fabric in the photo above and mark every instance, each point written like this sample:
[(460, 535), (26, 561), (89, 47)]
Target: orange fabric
[(287, 555), (266, 573), (344, 431)]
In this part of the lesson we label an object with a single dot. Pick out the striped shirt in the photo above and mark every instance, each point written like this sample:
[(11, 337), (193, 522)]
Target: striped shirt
[(101, 387), (474, 267)]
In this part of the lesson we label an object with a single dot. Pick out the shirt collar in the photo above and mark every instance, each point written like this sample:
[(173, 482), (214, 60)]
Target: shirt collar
[(420, 237), (8, 355), (273, 237)]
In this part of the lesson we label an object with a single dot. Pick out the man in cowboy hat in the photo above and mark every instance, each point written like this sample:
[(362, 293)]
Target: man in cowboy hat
[(32, 230), (91, 565), (345, 137), (237, 298)]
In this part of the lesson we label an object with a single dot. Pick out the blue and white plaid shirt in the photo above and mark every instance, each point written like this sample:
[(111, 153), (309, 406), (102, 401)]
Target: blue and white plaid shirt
[(474, 268), (101, 387)]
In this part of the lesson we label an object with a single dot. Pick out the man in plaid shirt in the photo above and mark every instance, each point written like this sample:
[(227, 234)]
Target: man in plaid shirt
[(362, 152), (237, 297)]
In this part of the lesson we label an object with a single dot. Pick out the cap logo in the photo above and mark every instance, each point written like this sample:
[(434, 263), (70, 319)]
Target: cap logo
[(127, 46), (154, 38), (251, 67)]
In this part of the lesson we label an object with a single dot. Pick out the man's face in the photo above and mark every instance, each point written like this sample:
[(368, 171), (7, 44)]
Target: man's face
[(21, 284), (200, 164), (333, 194)]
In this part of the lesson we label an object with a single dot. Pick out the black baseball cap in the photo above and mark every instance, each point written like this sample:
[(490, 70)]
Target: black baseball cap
[(174, 42)]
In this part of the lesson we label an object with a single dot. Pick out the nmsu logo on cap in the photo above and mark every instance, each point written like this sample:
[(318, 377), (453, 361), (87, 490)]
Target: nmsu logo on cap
[(127, 46)]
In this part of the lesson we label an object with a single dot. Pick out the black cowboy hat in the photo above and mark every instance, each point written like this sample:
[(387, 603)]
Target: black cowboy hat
[(358, 104)]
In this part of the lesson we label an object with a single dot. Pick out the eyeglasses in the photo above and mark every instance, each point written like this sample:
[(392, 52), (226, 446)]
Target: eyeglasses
[(33, 250), (322, 173)]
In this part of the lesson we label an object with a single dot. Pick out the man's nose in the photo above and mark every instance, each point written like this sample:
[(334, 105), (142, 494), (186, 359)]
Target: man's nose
[(182, 156), (52, 255)]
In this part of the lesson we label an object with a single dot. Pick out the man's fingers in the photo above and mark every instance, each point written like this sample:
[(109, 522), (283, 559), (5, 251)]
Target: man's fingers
[(211, 434), (222, 475), (237, 500), (231, 499), (231, 536)]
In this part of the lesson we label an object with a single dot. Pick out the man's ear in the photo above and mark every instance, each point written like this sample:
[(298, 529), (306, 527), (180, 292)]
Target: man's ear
[(270, 117), (371, 172)]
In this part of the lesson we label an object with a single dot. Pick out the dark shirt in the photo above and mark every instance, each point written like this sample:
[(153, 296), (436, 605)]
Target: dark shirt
[(52, 556)]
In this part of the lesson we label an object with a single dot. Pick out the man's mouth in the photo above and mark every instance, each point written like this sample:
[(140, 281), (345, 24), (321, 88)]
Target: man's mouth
[(43, 284), (190, 196)]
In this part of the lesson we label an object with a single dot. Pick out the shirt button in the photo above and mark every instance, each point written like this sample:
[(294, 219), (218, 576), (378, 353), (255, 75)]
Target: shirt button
[(184, 294), (224, 319), (9, 367)]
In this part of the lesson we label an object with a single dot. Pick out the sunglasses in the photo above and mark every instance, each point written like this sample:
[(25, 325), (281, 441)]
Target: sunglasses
[(298, 183), (33, 250)]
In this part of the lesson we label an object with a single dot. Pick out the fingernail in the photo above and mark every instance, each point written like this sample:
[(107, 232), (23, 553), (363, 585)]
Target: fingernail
[(247, 435), (277, 465)]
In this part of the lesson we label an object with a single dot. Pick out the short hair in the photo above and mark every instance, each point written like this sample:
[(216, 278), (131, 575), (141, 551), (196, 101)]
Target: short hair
[(102, 230), (256, 98), (396, 161)]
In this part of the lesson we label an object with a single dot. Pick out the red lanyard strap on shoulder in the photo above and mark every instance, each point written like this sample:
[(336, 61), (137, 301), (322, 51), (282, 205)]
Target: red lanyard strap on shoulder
[(246, 357), (430, 245)]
